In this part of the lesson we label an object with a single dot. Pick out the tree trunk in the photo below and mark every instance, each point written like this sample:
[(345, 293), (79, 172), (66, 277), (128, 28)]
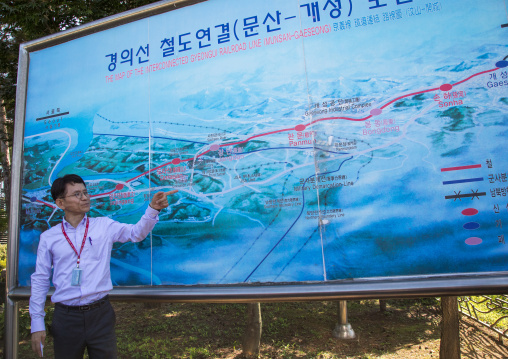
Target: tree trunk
[(5, 157), (450, 338), (252, 336)]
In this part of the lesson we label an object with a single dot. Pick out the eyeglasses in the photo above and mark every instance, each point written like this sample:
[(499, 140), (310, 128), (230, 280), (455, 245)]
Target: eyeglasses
[(78, 195)]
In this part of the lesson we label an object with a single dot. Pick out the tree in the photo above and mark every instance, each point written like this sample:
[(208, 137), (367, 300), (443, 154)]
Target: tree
[(26, 20), (252, 337), (450, 329)]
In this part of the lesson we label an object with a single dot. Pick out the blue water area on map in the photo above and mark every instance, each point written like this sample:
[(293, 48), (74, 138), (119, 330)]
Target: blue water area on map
[(80, 142), (29, 240)]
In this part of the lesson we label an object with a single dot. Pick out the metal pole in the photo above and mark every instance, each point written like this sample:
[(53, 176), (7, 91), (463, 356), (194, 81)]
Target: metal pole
[(343, 329), (11, 329), (11, 307)]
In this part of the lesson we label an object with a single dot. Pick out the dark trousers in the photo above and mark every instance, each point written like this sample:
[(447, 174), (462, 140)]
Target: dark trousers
[(75, 329)]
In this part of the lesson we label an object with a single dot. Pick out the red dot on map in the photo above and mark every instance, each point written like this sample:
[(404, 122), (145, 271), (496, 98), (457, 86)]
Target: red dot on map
[(376, 111), (214, 147), (119, 186), (176, 161), (469, 212), (473, 241), (300, 127), (445, 87)]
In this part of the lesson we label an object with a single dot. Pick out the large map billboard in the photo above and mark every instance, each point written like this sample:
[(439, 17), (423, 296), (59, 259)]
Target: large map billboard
[(310, 141)]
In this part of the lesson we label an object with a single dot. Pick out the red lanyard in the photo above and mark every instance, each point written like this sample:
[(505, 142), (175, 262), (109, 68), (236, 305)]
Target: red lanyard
[(82, 244)]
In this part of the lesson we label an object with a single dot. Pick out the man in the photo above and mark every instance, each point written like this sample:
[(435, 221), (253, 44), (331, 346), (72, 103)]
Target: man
[(78, 250)]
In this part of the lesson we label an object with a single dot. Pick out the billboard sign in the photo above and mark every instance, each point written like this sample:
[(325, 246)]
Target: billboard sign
[(316, 142)]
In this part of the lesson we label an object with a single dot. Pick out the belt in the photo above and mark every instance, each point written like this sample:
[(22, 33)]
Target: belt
[(85, 307)]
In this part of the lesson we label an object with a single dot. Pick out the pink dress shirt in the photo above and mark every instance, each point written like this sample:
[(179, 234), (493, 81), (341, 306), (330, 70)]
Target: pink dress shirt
[(54, 252)]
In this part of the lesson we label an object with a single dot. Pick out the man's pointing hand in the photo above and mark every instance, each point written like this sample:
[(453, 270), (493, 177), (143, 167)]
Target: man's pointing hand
[(160, 199)]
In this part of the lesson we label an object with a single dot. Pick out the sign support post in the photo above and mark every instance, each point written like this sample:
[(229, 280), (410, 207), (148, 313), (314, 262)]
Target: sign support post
[(343, 330)]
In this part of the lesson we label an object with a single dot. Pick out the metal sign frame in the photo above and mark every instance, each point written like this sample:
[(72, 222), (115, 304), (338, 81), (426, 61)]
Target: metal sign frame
[(386, 287)]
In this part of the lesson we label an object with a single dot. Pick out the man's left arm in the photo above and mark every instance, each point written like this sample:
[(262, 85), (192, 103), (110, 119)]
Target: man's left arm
[(137, 232)]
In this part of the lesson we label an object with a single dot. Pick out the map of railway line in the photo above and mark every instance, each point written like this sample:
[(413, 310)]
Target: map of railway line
[(103, 157), (351, 170)]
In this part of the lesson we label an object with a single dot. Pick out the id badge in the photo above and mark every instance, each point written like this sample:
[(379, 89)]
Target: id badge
[(76, 276)]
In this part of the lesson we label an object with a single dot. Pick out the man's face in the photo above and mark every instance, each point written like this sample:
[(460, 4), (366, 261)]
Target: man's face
[(74, 201)]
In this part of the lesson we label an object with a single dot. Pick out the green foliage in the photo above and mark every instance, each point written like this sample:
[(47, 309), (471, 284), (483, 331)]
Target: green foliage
[(4, 218), (3, 256), (24, 322), (492, 309)]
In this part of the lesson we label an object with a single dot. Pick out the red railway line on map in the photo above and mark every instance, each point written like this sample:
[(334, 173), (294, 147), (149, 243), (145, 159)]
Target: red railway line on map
[(301, 127)]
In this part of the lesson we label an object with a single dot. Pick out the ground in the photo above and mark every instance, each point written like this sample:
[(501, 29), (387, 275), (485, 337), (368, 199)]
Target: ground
[(407, 329)]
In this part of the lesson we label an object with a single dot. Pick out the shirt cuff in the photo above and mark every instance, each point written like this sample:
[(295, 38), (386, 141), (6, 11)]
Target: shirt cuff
[(152, 213), (37, 325)]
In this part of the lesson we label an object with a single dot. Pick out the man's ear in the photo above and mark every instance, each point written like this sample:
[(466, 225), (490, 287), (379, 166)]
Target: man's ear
[(60, 203)]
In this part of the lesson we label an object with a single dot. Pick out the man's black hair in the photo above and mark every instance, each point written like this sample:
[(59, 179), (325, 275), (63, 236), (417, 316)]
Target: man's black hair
[(60, 185)]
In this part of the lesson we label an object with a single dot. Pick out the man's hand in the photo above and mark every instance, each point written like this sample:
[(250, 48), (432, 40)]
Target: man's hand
[(38, 339), (160, 199)]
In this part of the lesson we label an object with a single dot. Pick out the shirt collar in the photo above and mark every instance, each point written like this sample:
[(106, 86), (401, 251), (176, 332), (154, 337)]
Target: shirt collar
[(69, 226)]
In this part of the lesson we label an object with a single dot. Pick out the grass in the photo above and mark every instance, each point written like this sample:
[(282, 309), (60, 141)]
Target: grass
[(492, 310), (409, 329)]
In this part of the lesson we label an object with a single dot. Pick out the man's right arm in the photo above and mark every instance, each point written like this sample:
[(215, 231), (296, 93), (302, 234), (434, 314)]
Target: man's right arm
[(40, 285)]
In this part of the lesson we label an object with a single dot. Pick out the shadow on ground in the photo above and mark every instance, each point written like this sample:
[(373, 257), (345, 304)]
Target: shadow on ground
[(478, 342)]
